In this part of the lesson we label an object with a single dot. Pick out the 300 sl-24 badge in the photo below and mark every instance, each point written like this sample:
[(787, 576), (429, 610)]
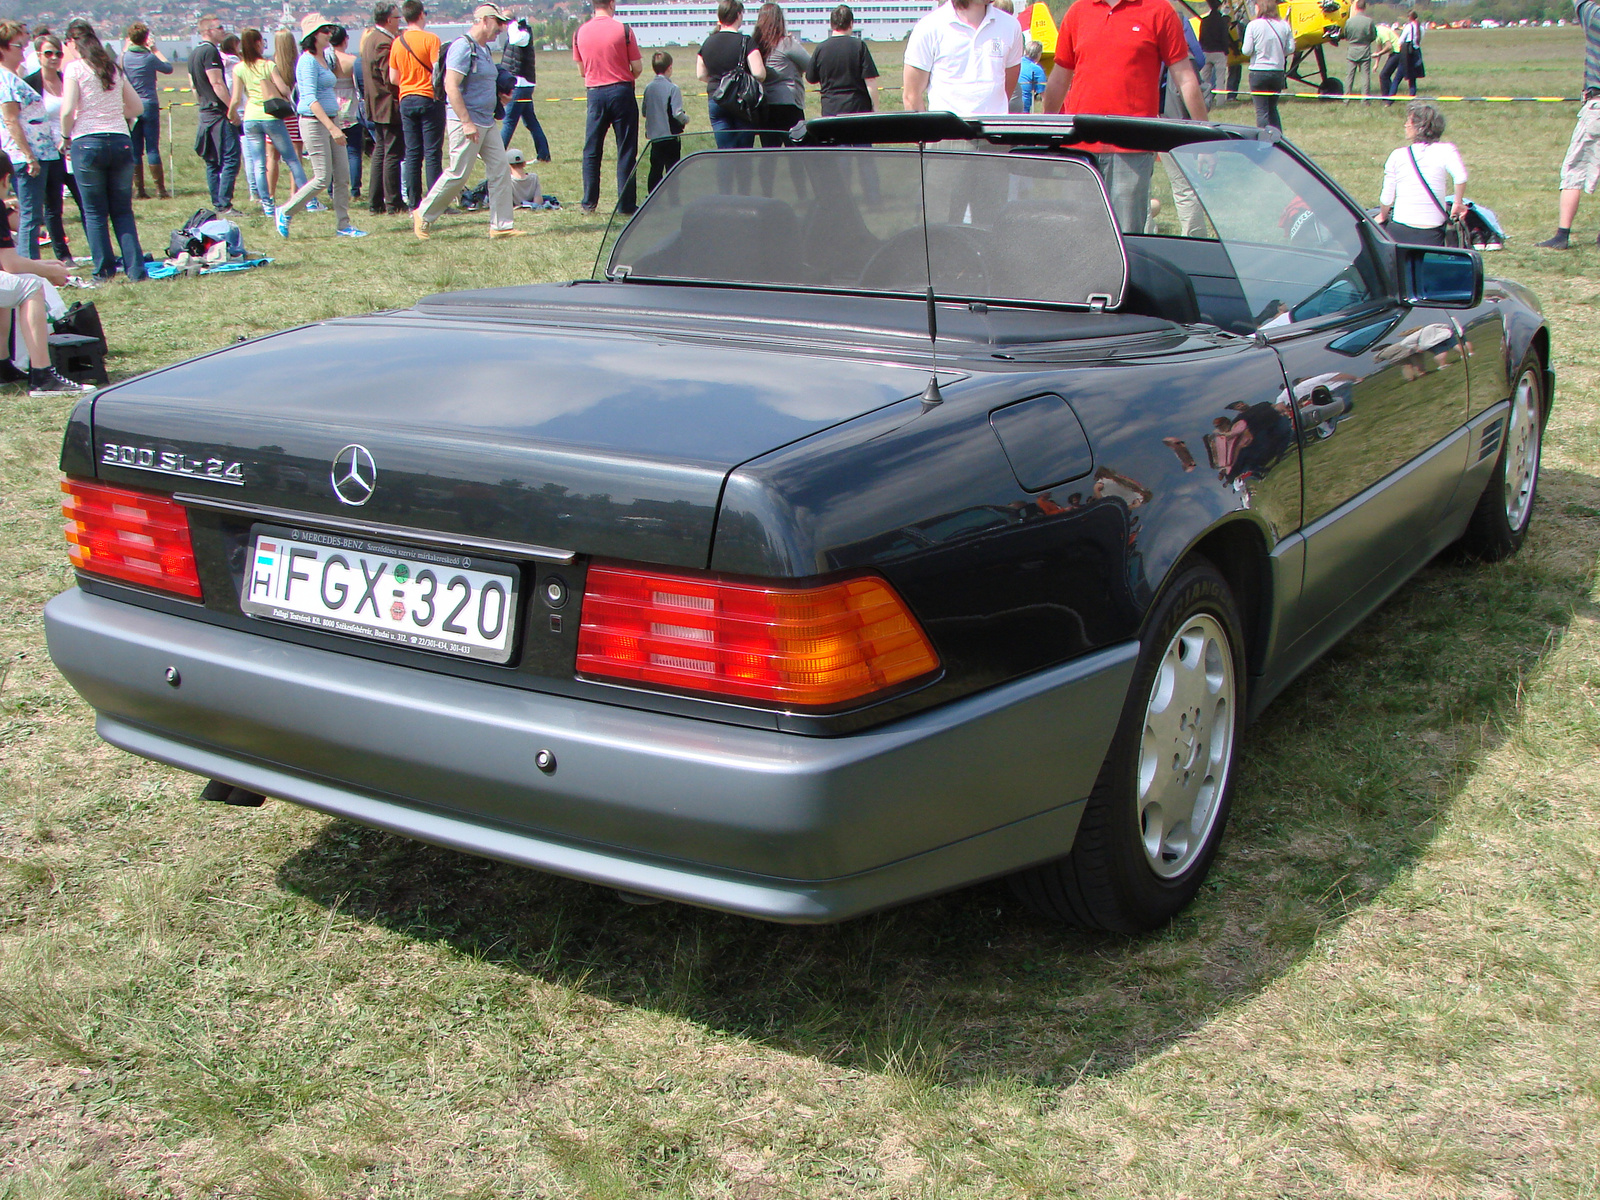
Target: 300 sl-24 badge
[(171, 462)]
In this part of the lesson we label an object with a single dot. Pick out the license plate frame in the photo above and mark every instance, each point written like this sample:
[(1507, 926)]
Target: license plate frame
[(289, 582)]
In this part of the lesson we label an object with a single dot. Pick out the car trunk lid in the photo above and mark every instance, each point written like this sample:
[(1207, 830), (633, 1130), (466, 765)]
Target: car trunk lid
[(603, 442)]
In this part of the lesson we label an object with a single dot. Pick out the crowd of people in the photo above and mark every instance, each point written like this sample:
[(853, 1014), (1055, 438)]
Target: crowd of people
[(79, 120)]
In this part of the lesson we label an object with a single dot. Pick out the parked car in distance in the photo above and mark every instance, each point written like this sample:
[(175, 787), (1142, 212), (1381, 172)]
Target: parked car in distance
[(926, 502)]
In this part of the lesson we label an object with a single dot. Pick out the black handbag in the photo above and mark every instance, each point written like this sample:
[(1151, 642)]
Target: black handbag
[(1455, 234), (739, 92), (277, 106)]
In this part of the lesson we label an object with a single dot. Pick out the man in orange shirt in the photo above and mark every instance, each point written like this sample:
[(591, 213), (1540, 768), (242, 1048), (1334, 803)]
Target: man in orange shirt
[(411, 59)]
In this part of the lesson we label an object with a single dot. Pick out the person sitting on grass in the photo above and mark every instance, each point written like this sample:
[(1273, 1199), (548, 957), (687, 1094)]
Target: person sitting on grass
[(524, 183), (22, 292)]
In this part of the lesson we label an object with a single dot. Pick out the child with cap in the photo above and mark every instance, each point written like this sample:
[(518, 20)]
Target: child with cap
[(524, 186)]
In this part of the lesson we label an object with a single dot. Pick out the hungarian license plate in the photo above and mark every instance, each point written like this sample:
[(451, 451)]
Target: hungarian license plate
[(425, 599)]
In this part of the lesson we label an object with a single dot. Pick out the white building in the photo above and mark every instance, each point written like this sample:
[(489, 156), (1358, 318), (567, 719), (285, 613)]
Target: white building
[(683, 24)]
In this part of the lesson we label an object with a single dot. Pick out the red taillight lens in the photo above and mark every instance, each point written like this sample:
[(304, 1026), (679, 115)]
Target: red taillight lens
[(124, 534), (792, 646)]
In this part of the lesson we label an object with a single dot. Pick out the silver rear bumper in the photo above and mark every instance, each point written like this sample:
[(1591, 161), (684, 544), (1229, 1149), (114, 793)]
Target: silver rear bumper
[(751, 821)]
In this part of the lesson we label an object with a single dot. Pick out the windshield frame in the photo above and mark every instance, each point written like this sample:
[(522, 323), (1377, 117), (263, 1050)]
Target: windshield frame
[(944, 149)]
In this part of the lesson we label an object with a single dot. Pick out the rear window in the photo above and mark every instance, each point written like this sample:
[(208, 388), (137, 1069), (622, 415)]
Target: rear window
[(1010, 228)]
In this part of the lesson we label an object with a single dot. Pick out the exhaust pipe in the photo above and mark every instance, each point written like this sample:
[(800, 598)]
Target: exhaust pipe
[(226, 793)]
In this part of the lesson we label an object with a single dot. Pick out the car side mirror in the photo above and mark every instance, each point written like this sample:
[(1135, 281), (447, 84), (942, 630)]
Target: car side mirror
[(1439, 276)]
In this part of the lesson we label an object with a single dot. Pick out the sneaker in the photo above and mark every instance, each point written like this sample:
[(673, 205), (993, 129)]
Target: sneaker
[(229, 213), (268, 209), (316, 206), (505, 233), (47, 381), (1559, 242), (283, 223), (419, 226), (351, 231)]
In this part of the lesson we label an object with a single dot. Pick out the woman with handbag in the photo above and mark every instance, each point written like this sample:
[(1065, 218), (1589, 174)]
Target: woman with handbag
[(1414, 179), (285, 53), (256, 95), (319, 129), (1269, 44), (732, 67)]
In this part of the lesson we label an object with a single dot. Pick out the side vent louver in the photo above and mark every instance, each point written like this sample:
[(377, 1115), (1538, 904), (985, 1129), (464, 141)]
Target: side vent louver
[(1492, 433)]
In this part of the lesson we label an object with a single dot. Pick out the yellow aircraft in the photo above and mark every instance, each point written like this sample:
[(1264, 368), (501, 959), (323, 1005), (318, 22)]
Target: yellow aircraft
[(1316, 23)]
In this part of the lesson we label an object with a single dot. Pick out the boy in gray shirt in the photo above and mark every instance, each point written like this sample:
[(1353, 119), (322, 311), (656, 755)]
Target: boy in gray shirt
[(664, 118)]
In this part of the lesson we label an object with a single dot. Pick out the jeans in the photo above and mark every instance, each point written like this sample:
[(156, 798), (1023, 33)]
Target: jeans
[(256, 134), (1267, 106), (329, 164), (615, 107), (56, 181), (355, 145), (220, 176), (145, 132), (1394, 70), (521, 109), (464, 151), (732, 132), (422, 118), (103, 163), (383, 189), (32, 211)]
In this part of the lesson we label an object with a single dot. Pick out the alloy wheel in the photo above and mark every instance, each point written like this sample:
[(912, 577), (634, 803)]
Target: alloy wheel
[(1186, 751)]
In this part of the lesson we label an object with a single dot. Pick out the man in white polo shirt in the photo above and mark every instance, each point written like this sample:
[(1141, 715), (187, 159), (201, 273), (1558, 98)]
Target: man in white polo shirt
[(963, 57)]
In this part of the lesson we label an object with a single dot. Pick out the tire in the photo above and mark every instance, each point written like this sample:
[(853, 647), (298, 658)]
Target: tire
[(1331, 89), (1132, 869), (1505, 510)]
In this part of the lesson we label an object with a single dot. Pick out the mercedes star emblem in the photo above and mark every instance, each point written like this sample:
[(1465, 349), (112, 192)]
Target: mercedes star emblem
[(354, 475)]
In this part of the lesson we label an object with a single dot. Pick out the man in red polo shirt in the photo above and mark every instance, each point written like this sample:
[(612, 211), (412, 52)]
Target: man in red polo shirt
[(1109, 56), (609, 55)]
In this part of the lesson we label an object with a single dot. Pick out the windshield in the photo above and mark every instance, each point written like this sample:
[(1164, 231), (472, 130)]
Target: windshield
[(973, 225)]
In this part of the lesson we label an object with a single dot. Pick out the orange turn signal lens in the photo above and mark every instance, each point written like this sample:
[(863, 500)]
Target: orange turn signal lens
[(140, 537), (794, 646)]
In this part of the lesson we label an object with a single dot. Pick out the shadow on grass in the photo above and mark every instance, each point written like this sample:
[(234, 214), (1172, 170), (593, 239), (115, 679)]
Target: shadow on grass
[(1341, 784)]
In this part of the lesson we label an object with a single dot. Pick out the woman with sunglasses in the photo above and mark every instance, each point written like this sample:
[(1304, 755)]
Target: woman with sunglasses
[(26, 139), (324, 139), (58, 176)]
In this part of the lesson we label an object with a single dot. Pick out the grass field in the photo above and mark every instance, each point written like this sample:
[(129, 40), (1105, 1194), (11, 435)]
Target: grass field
[(1390, 987)]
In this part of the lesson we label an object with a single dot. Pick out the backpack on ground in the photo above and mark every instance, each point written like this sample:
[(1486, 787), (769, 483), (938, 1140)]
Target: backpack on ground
[(188, 239)]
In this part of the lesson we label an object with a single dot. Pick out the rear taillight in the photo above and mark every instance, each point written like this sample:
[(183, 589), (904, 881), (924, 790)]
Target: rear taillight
[(136, 536), (819, 645)]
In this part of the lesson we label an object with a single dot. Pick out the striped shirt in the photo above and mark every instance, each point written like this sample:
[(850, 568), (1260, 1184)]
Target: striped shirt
[(1589, 17)]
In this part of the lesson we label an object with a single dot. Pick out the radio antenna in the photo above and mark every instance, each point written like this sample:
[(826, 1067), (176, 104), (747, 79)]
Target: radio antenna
[(931, 394)]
